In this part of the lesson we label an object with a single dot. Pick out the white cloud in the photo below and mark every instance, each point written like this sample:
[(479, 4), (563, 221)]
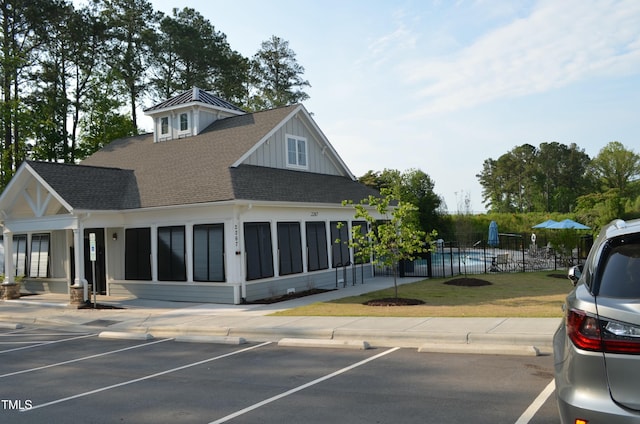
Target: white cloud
[(559, 43), (384, 48)]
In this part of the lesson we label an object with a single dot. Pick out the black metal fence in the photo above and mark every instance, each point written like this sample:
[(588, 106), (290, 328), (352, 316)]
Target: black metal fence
[(514, 253)]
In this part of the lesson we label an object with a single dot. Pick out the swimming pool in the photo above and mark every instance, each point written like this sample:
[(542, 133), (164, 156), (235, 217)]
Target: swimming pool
[(461, 257)]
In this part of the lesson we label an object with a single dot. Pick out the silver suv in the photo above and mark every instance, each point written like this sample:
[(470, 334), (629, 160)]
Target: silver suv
[(597, 346)]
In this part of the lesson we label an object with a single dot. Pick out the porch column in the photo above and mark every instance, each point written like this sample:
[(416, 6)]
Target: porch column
[(9, 268), (78, 253)]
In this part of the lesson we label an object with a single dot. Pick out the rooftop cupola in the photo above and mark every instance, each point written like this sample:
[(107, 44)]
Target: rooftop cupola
[(188, 113)]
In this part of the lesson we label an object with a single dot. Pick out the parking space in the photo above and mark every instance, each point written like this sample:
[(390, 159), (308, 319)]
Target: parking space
[(52, 376)]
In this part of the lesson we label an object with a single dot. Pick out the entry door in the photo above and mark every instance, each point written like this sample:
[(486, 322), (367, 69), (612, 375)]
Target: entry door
[(101, 276)]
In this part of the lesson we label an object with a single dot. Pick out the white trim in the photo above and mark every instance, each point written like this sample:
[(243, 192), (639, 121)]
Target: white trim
[(192, 104)]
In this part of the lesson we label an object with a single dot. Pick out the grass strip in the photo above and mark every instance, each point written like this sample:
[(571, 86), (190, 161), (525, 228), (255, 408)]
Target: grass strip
[(534, 295)]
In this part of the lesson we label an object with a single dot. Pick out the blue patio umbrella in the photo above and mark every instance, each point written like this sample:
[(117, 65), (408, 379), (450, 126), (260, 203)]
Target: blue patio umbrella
[(494, 240), (545, 224), (568, 224)]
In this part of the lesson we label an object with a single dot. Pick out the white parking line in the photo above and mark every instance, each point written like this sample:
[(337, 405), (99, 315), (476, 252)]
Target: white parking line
[(48, 343), (537, 404), (22, 333), (147, 377), (304, 386), (97, 355)]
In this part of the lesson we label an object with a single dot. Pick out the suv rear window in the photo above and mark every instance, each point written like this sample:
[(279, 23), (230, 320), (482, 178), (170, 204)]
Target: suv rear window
[(621, 274)]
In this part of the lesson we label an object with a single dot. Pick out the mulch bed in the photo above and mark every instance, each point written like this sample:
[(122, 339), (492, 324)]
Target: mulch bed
[(467, 282), (90, 305), (285, 297), (394, 301)]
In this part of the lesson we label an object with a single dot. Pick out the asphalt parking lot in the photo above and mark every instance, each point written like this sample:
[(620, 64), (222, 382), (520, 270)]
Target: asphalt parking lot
[(48, 375)]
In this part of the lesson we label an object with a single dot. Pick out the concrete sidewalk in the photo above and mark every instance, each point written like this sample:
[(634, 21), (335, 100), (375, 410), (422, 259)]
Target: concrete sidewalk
[(238, 323)]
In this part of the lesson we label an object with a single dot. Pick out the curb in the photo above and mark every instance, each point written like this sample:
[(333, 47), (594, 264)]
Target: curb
[(322, 343), (407, 339), (271, 334), (190, 331), (211, 339), (511, 339), (125, 336), (480, 349), (10, 326)]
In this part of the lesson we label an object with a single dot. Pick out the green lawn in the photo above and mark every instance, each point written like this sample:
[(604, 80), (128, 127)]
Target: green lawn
[(535, 294)]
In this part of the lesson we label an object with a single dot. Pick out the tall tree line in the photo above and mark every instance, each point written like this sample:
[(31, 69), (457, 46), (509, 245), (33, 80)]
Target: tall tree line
[(555, 177), (73, 77)]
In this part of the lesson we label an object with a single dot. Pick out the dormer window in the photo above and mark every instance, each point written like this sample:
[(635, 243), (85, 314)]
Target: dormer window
[(184, 122), (296, 152), (188, 113), (164, 125)]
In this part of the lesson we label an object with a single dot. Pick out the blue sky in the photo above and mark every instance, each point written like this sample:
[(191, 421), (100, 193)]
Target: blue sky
[(443, 85)]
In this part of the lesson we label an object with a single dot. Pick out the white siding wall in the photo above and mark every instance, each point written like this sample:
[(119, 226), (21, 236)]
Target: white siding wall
[(273, 153), (233, 218)]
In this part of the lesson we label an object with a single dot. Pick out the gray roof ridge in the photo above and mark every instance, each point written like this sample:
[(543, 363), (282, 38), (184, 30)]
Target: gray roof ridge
[(47, 163)]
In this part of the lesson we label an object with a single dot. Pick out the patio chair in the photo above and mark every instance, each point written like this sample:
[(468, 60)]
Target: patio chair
[(502, 261)]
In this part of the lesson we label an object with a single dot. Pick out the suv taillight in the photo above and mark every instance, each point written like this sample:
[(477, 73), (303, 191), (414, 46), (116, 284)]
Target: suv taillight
[(601, 335)]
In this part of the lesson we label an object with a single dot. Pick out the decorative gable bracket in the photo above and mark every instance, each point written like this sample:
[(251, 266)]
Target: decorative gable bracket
[(37, 205)]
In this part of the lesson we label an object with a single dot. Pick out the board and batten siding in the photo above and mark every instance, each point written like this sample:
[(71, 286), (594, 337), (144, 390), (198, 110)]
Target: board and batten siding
[(176, 292), (273, 153)]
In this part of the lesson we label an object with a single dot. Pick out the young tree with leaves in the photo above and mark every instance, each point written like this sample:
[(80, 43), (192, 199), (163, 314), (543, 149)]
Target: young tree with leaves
[(394, 238)]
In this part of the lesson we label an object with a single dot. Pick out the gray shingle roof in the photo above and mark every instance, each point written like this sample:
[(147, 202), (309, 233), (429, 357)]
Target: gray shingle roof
[(195, 95), (192, 169), (283, 185), (89, 187), (135, 172)]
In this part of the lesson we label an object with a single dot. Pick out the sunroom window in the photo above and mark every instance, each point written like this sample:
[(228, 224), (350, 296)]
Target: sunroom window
[(19, 254), (39, 255)]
